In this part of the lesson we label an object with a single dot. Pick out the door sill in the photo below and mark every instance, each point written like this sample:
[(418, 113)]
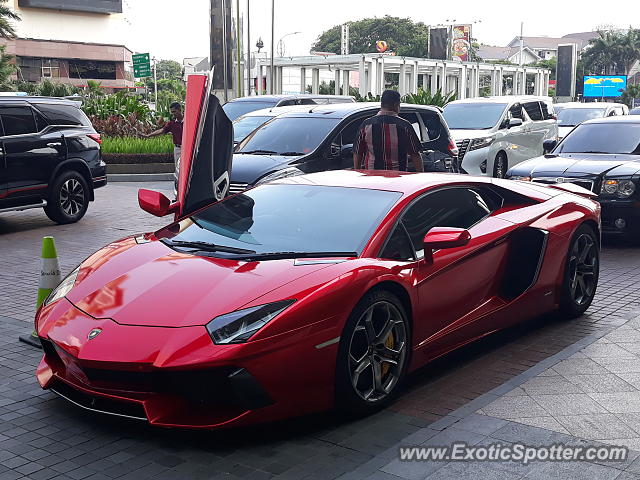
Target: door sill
[(24, 207)]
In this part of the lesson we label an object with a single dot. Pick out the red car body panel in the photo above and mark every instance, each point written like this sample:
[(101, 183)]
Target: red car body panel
[(130, 337)]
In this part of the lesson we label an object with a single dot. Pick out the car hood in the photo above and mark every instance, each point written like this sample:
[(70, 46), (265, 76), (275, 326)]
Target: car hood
[(152, 285), (458, 134), (582, 164), (249, 168)]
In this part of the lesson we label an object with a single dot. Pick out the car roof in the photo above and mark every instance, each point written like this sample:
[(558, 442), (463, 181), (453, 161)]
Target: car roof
[(504, 99), (603, 105), (36, 100), (615, 119), (275, 111), (274, 98), (404, 182), (341, 110)]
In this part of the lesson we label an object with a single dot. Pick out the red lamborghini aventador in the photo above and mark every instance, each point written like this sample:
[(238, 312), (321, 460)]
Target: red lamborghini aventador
[(314, 291)]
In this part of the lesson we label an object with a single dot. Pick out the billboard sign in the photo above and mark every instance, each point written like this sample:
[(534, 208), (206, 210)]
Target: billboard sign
[(92, 6), (566, 71), (461, 42), (438, 43), (600, 86)]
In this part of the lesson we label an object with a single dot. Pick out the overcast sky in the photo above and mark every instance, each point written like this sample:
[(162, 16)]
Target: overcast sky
[(177, 29)]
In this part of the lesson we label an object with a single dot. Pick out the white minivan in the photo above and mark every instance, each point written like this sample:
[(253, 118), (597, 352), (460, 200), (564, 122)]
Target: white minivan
[(495, 133)]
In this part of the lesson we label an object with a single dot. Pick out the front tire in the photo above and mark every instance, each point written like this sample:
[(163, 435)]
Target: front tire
[(581, 273), (373, 354), (500, 165), (68, 198)]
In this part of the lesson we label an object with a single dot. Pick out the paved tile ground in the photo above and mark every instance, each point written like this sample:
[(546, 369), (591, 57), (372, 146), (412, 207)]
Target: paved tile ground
[(43, 437)]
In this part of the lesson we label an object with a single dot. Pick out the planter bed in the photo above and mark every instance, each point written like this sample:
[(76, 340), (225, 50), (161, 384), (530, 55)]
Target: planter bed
[(136, 158)]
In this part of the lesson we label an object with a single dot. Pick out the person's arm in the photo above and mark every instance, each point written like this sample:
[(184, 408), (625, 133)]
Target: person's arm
[(414, 148), (155, 133), (357, 154)]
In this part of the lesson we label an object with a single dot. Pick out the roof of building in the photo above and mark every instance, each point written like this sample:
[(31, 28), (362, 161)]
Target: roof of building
[(490, 52), (551, 43)]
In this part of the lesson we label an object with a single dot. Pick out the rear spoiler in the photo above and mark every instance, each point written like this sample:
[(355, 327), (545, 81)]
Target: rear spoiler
[(573, 188)]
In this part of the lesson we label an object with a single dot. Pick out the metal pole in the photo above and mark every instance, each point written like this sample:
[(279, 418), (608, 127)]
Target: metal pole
[(272, 43), (225, 51), (521, 42), (239, 48), (248, 60), (155, 81)]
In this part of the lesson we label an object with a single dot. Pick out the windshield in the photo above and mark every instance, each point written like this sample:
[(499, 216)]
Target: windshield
[(602, 138), (244, 125), (473, 116), (570, 117), (235, 109), (288, 136), (289, 218)]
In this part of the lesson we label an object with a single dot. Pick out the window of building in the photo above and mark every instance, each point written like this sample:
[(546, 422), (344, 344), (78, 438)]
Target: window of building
[(89, 69), (50, 68), (29, 69), (17, 120)]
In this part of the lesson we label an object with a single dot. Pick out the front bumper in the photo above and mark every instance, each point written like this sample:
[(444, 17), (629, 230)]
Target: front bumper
[(177, 377), (475, 161), (620, 217)]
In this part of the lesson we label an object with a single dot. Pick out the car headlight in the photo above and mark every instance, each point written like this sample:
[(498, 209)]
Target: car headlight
[(620, 188), (284, 173), (480, 142), (518, 177), (239, 326), (63, 288)]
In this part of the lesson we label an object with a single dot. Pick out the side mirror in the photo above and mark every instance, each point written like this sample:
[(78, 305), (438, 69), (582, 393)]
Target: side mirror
[(515, 122), (439, 238), (346, 151), (154, 202), (549, 145)]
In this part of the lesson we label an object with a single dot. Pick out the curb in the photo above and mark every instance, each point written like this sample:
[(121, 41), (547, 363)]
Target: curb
[(140, 177)]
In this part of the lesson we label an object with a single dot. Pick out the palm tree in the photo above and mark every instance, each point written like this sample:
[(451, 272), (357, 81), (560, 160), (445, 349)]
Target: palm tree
[(6, 16)]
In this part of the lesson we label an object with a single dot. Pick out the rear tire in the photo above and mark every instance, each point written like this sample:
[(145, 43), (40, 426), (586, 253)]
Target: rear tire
[(373, 354), (68, 198), (581, 273), (500, 165)]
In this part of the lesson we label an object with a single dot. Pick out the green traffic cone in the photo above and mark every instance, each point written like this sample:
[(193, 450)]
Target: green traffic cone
[(49, 279)]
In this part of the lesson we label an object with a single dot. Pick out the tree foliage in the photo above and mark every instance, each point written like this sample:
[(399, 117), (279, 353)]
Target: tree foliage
[(631, 92), (549, 64), (404, 36), (612, 52), (6, 68), (7, 16), (169, 69)]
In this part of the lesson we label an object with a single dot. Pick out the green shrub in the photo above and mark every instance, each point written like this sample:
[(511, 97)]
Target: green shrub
[(132, 145), (425, 97)]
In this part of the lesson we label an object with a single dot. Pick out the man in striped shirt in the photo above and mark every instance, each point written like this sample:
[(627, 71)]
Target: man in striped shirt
[(385, 141)]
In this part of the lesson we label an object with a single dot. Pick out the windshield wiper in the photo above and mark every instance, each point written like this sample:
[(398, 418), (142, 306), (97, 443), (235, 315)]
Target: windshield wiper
[(606, 153), (206, 247), (259, 152), (284, 255), (290, 154)]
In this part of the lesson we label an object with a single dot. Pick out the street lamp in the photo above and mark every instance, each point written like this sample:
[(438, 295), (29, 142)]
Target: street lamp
[(281, 43)]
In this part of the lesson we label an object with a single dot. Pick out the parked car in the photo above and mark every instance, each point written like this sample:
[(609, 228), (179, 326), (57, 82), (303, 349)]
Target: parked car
[(575, 113), (243, 105), (247, 123), (50, 157), (312, 292), (495, 133), (602, 155), (322, 139), (635, 111)]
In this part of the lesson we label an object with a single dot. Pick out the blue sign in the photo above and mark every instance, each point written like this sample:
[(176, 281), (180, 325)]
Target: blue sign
[(604, 85)]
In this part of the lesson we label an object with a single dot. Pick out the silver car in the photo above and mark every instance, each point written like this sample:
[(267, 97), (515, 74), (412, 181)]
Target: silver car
[(495, 133)]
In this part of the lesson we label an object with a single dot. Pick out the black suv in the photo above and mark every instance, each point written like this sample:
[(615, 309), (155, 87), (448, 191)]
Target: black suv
[(49, 157)]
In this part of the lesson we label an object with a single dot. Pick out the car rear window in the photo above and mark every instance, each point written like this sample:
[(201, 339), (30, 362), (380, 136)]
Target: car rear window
[(63, 115)]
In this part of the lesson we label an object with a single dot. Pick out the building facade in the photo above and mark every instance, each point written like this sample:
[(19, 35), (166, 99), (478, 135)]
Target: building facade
[(52, 42)]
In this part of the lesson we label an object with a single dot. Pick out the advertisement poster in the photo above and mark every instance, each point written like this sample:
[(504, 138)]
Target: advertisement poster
[(604, 85), (461, 42)]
